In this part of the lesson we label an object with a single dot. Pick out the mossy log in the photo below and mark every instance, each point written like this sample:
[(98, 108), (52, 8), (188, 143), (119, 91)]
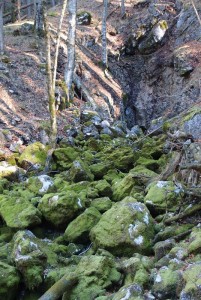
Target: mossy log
[(188, 212), (59, 288)]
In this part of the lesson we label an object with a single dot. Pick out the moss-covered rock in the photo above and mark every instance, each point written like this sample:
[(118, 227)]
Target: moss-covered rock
[(8, 171), (162, 248), (100, 169), (194, 245), (63, 157), (130, 291), (124, 229), (33, 156), (166, 283), (9, 281), (132, 183), (60, 208), (97, 274), (103, 188), (192, 282), (18, 212), (80, 172), (78, 229), (40, 185), (162, 196), (172, 231), (102, 204)]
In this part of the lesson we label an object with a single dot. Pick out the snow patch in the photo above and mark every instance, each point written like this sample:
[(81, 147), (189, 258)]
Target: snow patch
[(146, 218), (139, 240), (46, 182), (128, 294), (161, 184), (158, 278), (132, 229), (79, 202)]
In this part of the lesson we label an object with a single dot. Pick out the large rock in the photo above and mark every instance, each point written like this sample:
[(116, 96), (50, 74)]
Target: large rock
[(78, 229), (80, 172), (64, 157), (9, 281), (18, 212), (124, 229), (162, 195), (59, 209), (34, 156), (132, 292), (192, 281)]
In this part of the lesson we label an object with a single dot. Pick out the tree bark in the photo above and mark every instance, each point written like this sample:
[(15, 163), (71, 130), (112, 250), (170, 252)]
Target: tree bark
[(58, 42), (51, 94), (104, 33), (39, 18), (1, 29), (123, 8), (70, 66), (29, 8), (58, 289), (18, 10)]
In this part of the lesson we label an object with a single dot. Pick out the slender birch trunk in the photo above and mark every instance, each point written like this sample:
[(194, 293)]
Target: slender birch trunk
[(123, 8), (58, 42), (39, 17), (53, 3), (1, 29), (29, 8), (70, 66), (51, 96), (18, 10), (104, 33)]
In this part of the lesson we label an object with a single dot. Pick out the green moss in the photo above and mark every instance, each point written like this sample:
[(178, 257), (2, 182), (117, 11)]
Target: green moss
[(9, 281), (34, 154), (78, 229), (63, 157), (80, 171), (18, 212), (102, 204)]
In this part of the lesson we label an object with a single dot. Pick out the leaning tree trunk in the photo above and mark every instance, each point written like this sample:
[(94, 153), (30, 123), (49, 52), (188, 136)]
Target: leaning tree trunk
[(29, 8), (123, 8), (104, 33), (1, 29), (39, 18), (18, 10), (70, 66)]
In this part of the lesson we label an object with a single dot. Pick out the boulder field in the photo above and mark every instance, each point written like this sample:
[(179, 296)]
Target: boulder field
[(119, 211)]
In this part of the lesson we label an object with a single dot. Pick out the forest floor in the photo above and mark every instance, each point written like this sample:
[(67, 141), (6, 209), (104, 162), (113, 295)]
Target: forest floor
[(23, 88)]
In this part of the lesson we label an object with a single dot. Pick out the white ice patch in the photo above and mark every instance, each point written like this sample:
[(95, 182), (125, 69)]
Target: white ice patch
[(158, 278), (46, 182), (138, 240), (161, 184), (79, 202), (33, 245), (53, 200), (128, 294), (132, 229), (137, 206), (146, 218)]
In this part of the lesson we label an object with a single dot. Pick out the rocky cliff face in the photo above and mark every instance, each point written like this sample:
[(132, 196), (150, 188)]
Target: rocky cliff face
[(159, 66)]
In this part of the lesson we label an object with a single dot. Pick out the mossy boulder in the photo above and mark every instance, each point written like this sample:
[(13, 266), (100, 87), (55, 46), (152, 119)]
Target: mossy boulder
[(61, 208), (8, 171), (131, 291), (97, 274), (80, 172), (103, 188), (9, 281), (100, 169), (78, 229), (166, 283), (28, 258), (162, 196), (102, 204), (132, 183), (63, 157), (18, 212), (163, 248), (126, 228), (40, 184), (171, 231), (3, 184), (194, 245), (192, 282), (33, 156)]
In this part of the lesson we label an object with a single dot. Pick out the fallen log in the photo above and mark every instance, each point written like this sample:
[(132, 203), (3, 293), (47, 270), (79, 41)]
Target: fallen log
[(59, 288)]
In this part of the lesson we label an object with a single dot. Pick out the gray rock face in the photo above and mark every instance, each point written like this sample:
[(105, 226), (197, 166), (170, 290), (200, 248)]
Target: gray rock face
[(193, 126)]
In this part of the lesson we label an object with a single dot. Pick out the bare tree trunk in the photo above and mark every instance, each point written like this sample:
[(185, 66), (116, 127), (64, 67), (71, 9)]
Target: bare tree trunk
[(29, 8), (58, 42), (123, 8), (51, 95), (39, 17), (53, 3), (196, 12), (1, 29), (104, 33), (70, 66), (18, 10)]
